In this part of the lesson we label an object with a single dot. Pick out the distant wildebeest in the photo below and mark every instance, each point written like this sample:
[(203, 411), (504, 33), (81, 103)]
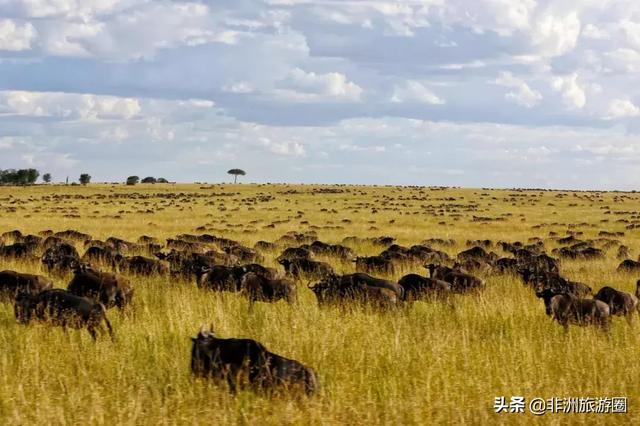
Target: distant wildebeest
[(247, 363), (460, 282), (12, 283), (61, 308), (418, 287), (567, 309), (619, 302), (260, 288), (106, 288), (305, 268), (229, 278)]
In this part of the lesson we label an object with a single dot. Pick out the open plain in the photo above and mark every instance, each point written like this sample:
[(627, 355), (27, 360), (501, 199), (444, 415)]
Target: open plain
[(423, 363)]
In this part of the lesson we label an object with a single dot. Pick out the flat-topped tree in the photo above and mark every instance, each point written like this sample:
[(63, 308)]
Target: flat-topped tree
[(85, 178), (236, 173)]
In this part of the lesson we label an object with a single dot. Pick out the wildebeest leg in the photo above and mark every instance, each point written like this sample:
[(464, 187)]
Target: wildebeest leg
[(109, 329), (92, 332)]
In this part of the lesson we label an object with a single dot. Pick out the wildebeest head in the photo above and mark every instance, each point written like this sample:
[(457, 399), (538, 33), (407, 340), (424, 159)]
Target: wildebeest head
[(285, 262), (546, 294)]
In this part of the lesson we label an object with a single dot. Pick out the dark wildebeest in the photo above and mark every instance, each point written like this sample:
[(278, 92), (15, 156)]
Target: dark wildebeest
[(246, 362), (16, 251), (567, 309), (556, 284), (619, 302), (61, 308), (418, 287), (375, 264), (12, 283), (106, 288), (96, 255), (295, 253), (60, 258), (186, 265), (218, 278), (358, 287), (260, 288), (629, 266), (141, 265), (337, 250), (299, 268), (460, 282)]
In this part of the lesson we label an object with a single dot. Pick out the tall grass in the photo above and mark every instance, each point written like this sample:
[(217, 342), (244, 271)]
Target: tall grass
[(430, 362)]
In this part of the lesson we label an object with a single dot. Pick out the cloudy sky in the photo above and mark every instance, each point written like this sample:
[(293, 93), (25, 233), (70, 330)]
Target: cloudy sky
[(499, 93)]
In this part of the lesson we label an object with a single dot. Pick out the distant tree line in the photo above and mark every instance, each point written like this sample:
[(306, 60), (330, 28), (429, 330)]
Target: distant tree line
[(133, 180), (18, 177)]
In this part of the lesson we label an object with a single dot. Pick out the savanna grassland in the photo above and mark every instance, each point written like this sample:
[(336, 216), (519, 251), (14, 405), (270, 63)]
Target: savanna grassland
[(426, 363)]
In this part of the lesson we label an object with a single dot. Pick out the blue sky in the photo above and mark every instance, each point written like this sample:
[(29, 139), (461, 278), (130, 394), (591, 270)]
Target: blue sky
[(482, 93)]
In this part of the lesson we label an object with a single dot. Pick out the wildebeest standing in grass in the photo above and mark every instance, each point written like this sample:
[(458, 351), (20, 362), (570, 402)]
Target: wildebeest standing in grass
[(567, 309), (619, 302), (61, 308), (12, 283), (261, 288), (247, 363), (460, 282), (60, 258), (305, 268), (104, 287), (417, 287), (360, 288)]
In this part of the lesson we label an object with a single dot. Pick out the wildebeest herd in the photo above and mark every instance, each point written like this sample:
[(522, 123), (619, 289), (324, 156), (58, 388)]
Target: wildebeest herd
[(104, 277)]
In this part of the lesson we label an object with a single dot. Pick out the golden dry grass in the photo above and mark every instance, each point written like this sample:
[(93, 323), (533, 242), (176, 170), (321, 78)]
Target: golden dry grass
[(426, 363)]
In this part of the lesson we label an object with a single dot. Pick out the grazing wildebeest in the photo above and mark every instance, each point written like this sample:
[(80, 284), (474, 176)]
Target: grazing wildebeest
[(324, 249), (555, 283), (99, 256), (358, 287), (476, 253), (460, 282), (567, 309), (219, 278), (260, 288), (629, 265), (141, 265), (106, 288), (246, 362), (16, 251), (418, 287), (12, 283), (379, 264), (299, 268), (60, 258), (295, 253), (619, 302), (61, 308)]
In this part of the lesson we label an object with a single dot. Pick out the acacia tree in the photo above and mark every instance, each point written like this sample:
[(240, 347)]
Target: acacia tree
[(133, 180), (236, 173), (85, 178), (46, 178)]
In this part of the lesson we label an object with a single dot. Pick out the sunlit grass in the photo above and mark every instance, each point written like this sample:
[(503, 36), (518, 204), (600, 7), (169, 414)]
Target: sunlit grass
[(426, 363)]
